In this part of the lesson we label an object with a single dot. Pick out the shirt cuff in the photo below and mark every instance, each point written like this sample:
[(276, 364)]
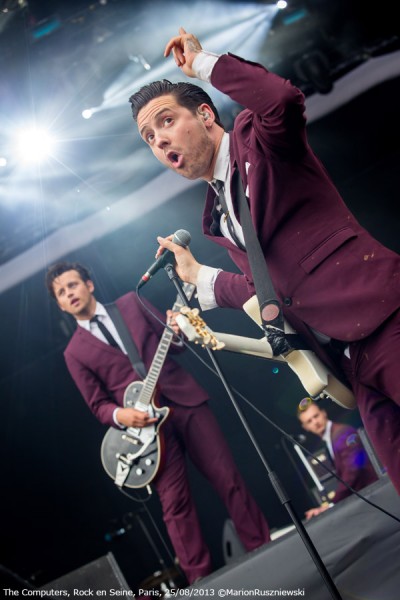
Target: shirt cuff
[(205, 287), (203, 65), (118, 424)]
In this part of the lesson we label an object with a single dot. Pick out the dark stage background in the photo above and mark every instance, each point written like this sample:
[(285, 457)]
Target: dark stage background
[(58, 504)]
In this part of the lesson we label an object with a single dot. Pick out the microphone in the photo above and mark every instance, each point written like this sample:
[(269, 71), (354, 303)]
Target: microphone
[(182, 238)]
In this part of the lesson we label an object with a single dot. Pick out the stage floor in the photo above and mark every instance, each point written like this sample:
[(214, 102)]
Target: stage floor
[(358, 544)]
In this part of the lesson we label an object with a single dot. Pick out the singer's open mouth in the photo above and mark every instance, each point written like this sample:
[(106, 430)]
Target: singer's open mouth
[(175, 158)]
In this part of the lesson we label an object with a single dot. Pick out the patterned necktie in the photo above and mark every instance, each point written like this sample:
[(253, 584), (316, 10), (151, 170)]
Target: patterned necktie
[(219, 185), (105, 331)]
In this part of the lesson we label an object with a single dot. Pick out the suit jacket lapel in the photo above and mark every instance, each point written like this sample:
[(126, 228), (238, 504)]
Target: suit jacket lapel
[(88, 337)]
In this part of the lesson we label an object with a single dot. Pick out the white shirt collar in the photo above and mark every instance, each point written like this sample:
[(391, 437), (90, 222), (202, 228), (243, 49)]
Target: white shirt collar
[(221, 169), (99, 310)]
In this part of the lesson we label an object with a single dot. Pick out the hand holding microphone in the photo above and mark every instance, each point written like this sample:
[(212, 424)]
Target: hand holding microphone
[(186, 266), (174, 249)]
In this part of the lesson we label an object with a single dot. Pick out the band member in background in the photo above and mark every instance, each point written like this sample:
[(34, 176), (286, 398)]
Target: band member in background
[(338, 287), (102, 372), (345, 449)]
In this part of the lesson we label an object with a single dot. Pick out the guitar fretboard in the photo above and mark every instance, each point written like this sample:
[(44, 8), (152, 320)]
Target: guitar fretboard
[(159, 358), (154, 372)]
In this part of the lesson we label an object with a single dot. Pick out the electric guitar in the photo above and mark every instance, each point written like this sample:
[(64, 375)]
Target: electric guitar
[(134, 456), (315, 377)]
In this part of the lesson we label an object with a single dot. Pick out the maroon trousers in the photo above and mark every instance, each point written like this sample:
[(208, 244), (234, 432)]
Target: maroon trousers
[(374, 371), (195, 432)]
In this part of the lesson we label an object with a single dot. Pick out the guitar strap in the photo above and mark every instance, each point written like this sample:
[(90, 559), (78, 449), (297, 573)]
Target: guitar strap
[(270, 307), (126, 339)]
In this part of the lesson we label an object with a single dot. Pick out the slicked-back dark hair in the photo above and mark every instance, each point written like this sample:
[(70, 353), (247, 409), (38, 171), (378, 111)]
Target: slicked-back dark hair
[(186, 94), (59, 268)]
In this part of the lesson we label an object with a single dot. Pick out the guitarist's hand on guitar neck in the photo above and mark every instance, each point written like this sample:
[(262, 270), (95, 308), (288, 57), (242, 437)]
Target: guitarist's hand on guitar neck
[(171, 321), (131, 417)]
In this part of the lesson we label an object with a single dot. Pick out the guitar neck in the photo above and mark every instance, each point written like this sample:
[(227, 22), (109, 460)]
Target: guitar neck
[(154, 372), (162, 350)]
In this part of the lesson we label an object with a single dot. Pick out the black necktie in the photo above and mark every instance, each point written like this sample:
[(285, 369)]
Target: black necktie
[(105, 331), (219, 186)]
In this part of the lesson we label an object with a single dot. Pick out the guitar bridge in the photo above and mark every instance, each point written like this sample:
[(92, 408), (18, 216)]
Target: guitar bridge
[(127, 459)]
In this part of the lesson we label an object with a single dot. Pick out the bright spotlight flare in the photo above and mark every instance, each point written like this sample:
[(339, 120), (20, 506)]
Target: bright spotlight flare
[(34, 145), (182, 238), (87, 113)]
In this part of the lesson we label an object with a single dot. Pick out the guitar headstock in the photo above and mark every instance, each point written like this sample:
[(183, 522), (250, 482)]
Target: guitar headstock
[(196, 330)]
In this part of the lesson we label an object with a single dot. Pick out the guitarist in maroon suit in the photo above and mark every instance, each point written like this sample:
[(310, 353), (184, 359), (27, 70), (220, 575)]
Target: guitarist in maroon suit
[(102, 373), (338, 287), (345, 449)]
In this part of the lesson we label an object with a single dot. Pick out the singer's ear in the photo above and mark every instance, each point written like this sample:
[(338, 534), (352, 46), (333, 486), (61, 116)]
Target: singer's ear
[(205, 111)]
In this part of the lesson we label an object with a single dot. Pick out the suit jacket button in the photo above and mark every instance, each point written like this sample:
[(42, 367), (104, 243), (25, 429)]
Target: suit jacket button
[(287, 301)]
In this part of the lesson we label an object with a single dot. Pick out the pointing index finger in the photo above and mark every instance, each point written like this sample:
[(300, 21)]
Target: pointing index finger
[(176, 43)]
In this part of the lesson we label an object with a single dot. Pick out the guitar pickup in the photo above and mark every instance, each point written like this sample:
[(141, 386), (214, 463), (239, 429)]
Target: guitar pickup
[(131, 440)]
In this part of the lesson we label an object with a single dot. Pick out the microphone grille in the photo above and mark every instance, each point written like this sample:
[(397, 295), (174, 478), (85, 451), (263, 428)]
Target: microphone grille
[(182, 238)]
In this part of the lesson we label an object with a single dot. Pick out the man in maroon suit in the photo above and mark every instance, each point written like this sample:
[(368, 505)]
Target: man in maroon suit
[(336, 284), (345, 449), (102, 372)]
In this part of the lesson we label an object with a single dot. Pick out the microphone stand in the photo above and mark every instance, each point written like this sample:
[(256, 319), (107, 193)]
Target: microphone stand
[(273, 477)]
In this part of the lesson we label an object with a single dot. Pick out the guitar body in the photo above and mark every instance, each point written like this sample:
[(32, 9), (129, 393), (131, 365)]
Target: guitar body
[(134, 456)]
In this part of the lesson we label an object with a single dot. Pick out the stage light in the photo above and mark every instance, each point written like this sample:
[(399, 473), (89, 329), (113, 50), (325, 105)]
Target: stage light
[(140, 59), (144, 63), (33, 145), (87, 113), (281, 4), (3, 161)]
